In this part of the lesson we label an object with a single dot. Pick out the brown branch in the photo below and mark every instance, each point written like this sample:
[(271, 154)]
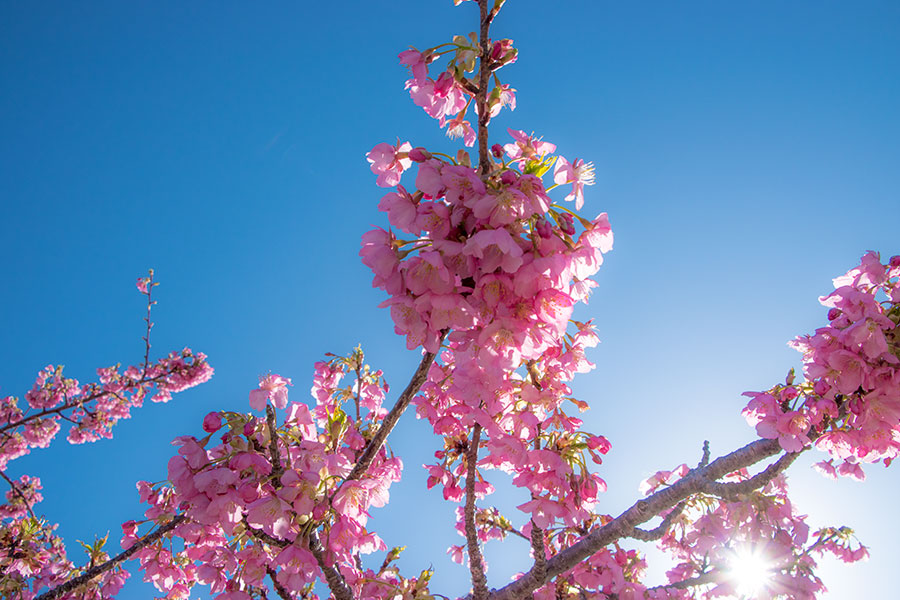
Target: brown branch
[(279, 589), (19, 493), (640, 512), (476, 561), (702, 579), (109, 564), (78, 403), (336, 582), (390, 421), (659, 531), (262, 536), (539, 550), (484, 74), (733, 491), (274, 455)]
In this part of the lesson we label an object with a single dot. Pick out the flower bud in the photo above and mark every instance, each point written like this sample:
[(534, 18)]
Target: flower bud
[(895, 261), (833, 314), (508, 178), (419, 154), (212, 422), (544, 229), (567, 223), (497, 150)]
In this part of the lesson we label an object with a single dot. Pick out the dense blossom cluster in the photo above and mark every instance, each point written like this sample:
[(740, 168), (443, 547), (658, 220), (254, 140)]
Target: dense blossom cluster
[(849, 403), (263, 498)]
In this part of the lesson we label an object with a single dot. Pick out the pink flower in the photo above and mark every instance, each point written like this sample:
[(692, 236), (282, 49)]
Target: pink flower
[(578, 173), (458, 127), (417, 63), (272, 387), (525, 146), (389, 162)]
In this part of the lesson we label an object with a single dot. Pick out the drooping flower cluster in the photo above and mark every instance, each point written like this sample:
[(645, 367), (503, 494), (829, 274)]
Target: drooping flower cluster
[(849, 403)]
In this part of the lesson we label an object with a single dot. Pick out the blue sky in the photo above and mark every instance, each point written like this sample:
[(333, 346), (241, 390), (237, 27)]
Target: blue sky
[(745, 154)]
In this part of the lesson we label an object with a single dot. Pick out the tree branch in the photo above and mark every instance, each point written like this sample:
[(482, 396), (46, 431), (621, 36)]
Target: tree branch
[(539, 550), (336, 582), (19, 493), (476, 561), (659, 531), (274, 455), (279, 589), (390, 421), (106, 566), (640, 512), (484, 74)]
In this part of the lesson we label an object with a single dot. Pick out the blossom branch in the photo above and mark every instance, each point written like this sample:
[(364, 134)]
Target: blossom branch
[(390, 421), (640, 512), (333, 577), (19, 493), (659, 531), (275, 457), (539, 550), (476, 561), (484, 74), (279, 589), (109, 564), (733, 491), (702, 579)]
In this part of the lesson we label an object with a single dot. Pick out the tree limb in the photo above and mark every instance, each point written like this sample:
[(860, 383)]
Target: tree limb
[(336, 582), (476, 561), (642, 511), (390, 421), (106, 566)]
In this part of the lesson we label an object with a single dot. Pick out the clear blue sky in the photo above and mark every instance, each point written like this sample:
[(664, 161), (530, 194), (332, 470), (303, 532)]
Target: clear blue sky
[(745, 154)]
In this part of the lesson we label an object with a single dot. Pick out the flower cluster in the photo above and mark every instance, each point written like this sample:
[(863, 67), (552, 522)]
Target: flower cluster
[(713, 539), (275, 500), (849, 403), (32, 557), (449, 96)]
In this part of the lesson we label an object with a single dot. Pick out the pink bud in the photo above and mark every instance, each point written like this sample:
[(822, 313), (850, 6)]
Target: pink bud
[(567, 224), (820, 387), (895, 261), (497, 150), (833, 314), (212, 422), (249, 428), (419, 154), (544, 229), (508, 178)]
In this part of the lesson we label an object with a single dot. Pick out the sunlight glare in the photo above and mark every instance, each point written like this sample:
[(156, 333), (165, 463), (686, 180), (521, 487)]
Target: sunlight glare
[(750, 572)]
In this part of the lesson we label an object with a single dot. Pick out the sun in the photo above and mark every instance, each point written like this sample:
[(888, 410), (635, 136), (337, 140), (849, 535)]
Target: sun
[(750, 571)]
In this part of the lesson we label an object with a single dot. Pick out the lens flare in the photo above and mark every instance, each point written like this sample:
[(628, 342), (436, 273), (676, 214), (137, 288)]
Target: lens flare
[(750, 571)]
